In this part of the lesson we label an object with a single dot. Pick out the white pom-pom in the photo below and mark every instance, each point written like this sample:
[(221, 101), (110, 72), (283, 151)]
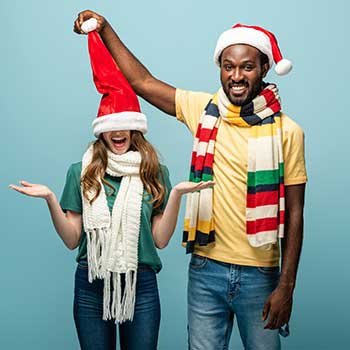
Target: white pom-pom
[(283, 67), (89, 25)]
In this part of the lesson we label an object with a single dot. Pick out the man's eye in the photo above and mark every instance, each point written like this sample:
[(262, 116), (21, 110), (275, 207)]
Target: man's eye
[(228, 67), (248, 67)]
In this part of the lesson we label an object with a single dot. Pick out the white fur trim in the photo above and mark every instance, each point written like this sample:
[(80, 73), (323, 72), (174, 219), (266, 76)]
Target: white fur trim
[(243, 35), (89, 25), (120, 121), (283, 67)]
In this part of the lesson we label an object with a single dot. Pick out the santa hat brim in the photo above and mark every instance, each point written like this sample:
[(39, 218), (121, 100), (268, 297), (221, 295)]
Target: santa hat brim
[(120, 121)]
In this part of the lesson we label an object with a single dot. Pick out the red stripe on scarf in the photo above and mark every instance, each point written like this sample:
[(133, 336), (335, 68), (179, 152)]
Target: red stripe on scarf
[(271, 100), (209, 159), (194, 157), (266, 224), (199, 129), (264, 198), (205, 134), (281, 217), (261, 225), (199, 163)]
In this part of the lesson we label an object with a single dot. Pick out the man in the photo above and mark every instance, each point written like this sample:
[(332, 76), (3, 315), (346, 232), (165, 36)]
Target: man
[(255, 154)]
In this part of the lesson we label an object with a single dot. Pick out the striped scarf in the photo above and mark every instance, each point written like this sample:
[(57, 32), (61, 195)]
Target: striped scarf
[(265, 182)]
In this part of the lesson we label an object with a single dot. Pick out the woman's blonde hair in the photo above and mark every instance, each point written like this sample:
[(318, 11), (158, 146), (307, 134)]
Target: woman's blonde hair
[(150, 169)]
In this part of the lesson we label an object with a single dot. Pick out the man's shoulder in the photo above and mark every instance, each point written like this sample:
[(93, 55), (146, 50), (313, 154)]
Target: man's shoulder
[(289, 125), (193, 96)]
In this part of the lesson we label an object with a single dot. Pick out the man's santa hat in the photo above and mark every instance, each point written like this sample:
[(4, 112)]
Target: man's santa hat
[(119, 107), (257, 37)]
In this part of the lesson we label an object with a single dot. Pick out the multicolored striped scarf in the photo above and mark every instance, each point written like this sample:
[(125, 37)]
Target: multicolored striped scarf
[(265, 182)]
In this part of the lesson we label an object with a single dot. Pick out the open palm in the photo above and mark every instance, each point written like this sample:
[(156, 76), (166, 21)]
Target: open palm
[(188, 186), (32, 190)]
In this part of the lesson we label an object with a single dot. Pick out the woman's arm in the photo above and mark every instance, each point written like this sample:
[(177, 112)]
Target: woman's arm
[(163, 225), (68, 226)]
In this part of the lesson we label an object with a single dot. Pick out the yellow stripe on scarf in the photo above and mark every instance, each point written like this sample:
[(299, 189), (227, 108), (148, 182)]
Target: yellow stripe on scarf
[(266, 129)]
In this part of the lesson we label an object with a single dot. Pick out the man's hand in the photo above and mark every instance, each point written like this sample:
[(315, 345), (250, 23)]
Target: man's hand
[(278, 307), (84, 16)]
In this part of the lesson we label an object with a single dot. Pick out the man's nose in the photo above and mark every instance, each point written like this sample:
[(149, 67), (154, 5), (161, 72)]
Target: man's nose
[(237, 74)]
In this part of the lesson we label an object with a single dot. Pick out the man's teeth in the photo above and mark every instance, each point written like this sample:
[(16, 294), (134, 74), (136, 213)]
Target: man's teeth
[(238, 87)]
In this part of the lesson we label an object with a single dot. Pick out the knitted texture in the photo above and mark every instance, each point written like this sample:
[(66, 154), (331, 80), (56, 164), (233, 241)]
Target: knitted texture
[(112, 239), (265, 173)]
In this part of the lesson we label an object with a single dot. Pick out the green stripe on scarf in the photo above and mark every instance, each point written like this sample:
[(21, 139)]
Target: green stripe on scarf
[(266, 177)]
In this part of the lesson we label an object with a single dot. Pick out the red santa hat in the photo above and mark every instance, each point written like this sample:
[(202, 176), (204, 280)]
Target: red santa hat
[(257, 37), (119, 107)]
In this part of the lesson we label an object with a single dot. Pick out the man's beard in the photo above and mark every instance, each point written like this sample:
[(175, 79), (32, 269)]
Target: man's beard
[(241, 101)]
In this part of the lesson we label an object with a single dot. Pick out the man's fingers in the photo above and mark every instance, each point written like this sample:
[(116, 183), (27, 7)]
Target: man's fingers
[(281, 320), (76, 27), (266, 310), (98, 26), (80, 18), (271, 324)]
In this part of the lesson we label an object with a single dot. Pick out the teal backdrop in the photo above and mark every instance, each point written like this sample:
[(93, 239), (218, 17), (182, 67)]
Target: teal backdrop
[(48, 102)]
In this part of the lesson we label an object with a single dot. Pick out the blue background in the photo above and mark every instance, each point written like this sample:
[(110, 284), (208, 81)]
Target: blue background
[(48, 101)]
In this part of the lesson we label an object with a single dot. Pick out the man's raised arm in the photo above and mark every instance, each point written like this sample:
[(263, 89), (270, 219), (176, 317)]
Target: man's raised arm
[(156, 92)]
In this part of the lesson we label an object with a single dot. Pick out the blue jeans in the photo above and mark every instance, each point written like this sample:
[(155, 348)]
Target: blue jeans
[(96, 334), (218, 292)]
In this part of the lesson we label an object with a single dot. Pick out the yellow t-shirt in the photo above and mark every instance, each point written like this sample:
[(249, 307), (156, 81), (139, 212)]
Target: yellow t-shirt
[(230, 176)]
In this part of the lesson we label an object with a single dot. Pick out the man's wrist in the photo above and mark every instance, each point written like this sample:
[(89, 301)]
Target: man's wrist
[(286, 285), (105, 28)]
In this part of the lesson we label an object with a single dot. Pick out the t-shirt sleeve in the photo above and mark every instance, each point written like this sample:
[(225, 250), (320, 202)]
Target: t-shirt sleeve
[(293, 153), (190, 106), (165, 179), (71, 196)]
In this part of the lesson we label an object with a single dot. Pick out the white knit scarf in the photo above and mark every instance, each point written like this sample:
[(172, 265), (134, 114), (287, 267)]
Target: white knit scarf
[(112, 239)]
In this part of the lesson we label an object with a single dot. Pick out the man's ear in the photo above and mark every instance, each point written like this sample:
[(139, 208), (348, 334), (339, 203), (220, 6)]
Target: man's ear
[(265, 69)]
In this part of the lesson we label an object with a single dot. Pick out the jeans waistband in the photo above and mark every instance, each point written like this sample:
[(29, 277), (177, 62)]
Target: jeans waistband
[(140, 267)]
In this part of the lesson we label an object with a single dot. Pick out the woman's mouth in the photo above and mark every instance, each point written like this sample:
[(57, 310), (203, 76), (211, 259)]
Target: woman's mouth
[(119, 142)]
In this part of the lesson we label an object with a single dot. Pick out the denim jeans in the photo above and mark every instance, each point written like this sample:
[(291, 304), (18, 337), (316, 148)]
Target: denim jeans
[(96, 334), (218, 292)]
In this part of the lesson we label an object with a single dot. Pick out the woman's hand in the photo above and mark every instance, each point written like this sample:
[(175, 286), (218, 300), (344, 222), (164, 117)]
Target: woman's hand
[(187, 186), (33, 190), (84, 16), (163, 225)]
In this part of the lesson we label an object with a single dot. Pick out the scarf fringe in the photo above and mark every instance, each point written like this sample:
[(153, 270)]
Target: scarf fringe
[(119, 305), (96, 252)]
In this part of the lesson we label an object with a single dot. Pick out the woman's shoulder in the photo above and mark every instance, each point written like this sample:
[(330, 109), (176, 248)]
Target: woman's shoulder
[(164, 175), (75, 169), (164, 169)]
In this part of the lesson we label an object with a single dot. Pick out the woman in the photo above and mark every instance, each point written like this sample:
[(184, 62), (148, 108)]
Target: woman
[(121, 196)]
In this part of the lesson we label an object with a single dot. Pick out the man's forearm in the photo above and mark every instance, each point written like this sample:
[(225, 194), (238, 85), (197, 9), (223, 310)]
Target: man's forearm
[(134, 71), (154, 91), (291, 249), (293, 237)]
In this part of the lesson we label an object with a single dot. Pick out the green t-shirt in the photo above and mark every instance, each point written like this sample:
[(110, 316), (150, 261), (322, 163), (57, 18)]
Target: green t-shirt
[(71, 200)]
